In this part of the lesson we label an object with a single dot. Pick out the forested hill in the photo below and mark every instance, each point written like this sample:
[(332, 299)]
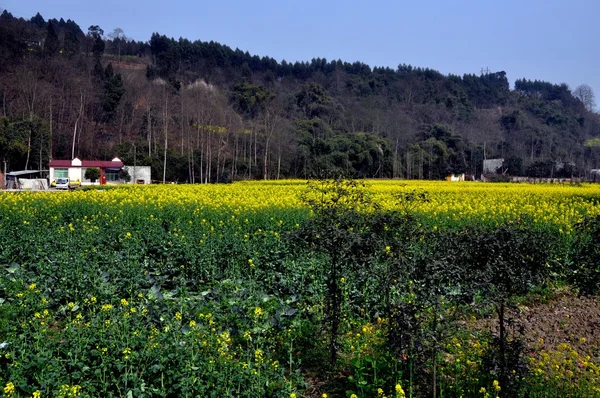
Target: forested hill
[(211, 113)]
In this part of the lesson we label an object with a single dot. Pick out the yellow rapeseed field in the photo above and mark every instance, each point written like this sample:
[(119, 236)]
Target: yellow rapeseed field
[(448, 203)]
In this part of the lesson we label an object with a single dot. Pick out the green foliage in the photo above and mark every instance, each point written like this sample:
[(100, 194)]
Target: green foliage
[(113, 91), (98, 44), (250, 99), (358, 155), (541, 169), (254, 300), (314, 102), (92, 174), (508, 262), (593, 142), (124, 175), (19, 136), (513, 166), (337, 230), (441, 151), (585, 273)]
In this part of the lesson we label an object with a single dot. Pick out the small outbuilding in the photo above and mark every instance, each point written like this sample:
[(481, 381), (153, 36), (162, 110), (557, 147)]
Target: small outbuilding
[(492, 166), (139, 174), (33, 180)]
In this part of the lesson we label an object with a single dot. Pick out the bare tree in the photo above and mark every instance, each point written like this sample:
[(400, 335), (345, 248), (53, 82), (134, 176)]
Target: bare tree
[(586, 95), (118, 36)]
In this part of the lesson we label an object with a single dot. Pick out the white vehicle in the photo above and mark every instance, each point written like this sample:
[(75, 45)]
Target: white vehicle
[(62, 183)]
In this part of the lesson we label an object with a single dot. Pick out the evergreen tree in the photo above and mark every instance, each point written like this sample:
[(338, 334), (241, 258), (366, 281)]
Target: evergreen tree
[(38, 21), (51, 44), (113, 91), (71, 46)]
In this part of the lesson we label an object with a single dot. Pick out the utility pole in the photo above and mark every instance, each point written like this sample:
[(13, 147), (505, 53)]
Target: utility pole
[(134, 165)]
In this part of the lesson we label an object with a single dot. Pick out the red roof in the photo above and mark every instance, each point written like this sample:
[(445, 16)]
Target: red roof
[(60, 163), (87, 163)]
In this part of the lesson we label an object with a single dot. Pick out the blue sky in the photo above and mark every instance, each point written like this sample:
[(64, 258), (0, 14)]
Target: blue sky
[(552, 40)]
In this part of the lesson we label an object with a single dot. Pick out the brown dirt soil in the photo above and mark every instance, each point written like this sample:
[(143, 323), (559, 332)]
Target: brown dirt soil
[(565, 318), (561, 318)]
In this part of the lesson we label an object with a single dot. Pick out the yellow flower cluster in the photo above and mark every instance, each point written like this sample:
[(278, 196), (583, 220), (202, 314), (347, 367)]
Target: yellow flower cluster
[(565, 363), (9, 389), (69, 391), (400, 392)]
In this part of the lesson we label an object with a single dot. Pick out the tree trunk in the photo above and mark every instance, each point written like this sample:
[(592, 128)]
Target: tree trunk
[(79, 116), (501, 321), (50, 138), (149, 128), (266, 161), (207, 175), (28, 149), (279, 159), (166, 127), (181, 123), (335, 310)]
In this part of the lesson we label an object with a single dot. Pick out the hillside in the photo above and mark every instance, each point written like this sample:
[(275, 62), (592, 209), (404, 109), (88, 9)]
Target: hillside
[(211, 113)]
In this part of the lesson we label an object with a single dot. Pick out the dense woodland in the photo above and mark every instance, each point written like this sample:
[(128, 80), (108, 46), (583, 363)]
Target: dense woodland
[(202, 112)]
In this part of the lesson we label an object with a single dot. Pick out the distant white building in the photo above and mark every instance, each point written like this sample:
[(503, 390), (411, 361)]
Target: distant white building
[(456, 177), (491, 166), (139, 174)]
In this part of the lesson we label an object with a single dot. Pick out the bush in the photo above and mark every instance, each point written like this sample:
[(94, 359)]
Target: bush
[(92, 174)]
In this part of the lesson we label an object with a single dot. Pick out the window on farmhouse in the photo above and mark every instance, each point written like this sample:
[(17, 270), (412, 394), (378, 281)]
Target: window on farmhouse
[(61, 173), (112, 175)]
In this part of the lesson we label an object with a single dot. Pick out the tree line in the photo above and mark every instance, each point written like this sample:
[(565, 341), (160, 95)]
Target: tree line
[(202, 112)]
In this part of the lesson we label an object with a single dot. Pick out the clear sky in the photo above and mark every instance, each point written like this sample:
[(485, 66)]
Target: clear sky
[(552, 40)]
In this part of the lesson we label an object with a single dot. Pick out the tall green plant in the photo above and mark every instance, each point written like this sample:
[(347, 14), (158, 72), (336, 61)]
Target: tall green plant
[(502, 264), (338, 228), (585, 274)]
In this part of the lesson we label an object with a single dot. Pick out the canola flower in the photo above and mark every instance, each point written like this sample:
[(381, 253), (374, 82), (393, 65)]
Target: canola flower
[(9, 389), (496, 385), (561, 206), (69, 391), (399, 391)]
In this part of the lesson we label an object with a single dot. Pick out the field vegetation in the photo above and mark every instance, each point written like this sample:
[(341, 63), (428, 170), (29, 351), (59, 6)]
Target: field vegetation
[(289, 289)]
